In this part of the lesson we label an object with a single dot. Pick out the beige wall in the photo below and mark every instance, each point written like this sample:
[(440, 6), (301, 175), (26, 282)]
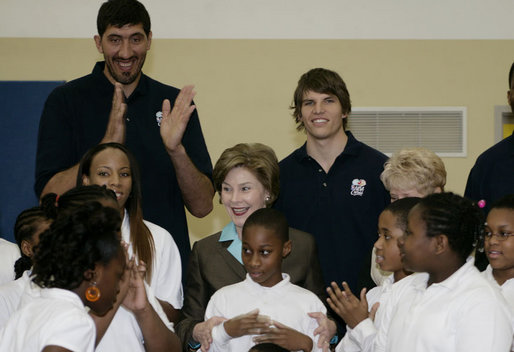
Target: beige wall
[(245, 86)]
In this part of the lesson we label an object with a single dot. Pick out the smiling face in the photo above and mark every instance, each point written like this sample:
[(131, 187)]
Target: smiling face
[(322, 115), (500, 252), (416, 248), (242, 194), (388, 253), (124, 50), (262, 255), (111, 168)]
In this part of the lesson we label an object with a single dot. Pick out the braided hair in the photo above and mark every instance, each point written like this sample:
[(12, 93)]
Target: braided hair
[(75, 242), (454, 216)]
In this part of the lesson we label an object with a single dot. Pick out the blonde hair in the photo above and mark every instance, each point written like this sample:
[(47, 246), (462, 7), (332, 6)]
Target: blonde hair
[(414, 168), (258, 158)]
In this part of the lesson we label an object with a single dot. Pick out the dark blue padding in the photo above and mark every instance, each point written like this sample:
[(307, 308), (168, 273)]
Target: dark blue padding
[(21, 104)]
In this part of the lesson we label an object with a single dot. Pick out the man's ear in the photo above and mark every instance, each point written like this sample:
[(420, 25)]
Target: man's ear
[(286, 249), (149, 42), (98, 43)]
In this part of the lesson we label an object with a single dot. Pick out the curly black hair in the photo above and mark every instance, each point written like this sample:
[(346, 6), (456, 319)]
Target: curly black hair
[(27, 224), (454, 216), (75, 242)]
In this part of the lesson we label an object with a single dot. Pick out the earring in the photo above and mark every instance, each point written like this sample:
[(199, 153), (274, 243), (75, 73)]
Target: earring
[(93, 293), (267, 198)]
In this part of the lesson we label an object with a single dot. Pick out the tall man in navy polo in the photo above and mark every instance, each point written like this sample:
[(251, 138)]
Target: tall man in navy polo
[(167, 143), (330, 186), (492, 176)]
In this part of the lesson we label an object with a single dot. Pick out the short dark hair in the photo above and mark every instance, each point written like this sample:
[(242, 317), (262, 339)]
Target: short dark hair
[(271, 219), (454, 216), (506, 202), (511, 74), (400, 209), (320, 80), (119, 13), (267, 347), (75, 242)]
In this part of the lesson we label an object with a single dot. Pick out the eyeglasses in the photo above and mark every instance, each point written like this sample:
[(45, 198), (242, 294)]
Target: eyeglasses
[(500, 236)]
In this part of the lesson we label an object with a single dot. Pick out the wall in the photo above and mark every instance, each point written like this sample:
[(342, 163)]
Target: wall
[(245, 86)]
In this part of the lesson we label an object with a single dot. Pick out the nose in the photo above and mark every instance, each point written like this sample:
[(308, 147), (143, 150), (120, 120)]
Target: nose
[(125, 51), (114, 180), (255, 261), (378, 244), (235, 196), (400, 242), (318, 108)]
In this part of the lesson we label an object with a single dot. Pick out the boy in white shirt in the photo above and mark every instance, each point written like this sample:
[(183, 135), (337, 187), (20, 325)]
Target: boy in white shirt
[(266, 306)]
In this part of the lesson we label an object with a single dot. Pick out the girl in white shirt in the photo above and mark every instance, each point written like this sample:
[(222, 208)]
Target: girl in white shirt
[(499, 247), (86, 272), (446, 305)]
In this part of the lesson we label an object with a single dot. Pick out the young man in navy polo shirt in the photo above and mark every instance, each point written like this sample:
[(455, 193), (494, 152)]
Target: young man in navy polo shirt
[(330, 186), (167, 143)]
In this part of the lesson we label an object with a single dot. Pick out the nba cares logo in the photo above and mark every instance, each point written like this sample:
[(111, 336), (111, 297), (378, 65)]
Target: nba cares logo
[(357, 188)]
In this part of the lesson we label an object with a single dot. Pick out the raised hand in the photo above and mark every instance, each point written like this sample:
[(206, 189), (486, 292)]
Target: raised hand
[(136, 298), (174, 121), (346, 305), (115, 131), (284, 336)]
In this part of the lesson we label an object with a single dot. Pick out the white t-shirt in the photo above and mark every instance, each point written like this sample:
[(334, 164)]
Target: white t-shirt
[(15, 294), (166, 280), (124, 333), (462, 313), (284, 302), (9, 254), (353, 340), (507, 290), (58, 317)]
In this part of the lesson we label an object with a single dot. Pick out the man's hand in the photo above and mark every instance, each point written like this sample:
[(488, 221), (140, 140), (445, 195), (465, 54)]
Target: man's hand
[(115, 131), (174, 121)]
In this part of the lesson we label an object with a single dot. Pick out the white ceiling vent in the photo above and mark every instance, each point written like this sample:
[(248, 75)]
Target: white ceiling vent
[(442, 130)]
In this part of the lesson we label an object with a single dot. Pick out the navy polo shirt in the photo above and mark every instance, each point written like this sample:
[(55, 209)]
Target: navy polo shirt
[(340, 208), (492, 177), (74, 119)]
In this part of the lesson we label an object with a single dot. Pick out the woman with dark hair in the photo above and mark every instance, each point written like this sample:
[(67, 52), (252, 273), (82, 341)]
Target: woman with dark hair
[(86, 273), (113, 166), (246, 177)]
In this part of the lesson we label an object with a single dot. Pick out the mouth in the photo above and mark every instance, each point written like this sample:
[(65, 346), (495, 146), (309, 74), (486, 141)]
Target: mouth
[(125, 65), (255, 275), (379, 259), (240, 211), (319, 121), (494, 254)]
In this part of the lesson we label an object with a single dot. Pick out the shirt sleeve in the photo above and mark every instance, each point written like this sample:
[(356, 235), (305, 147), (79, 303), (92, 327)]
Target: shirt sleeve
[(195, 299), (55, 140), (73, 332), (195, 146), (167, 283)]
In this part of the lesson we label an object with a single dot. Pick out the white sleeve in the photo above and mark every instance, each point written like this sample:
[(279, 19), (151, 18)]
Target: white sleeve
[(73, 332), (167, 275), (220, 338)]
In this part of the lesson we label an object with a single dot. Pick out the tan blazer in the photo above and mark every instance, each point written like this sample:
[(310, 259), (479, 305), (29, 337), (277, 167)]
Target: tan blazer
[(211, 267)]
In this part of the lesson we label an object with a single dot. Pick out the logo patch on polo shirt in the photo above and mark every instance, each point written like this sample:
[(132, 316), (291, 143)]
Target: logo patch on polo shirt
[(357, 188), (158, 117)]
